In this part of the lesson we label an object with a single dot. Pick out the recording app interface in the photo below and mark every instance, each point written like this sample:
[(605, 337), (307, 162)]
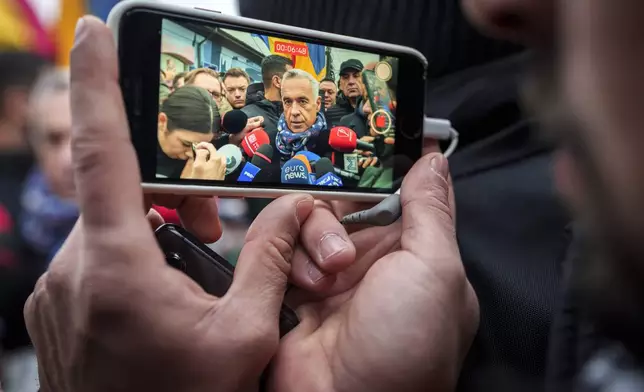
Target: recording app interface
[(242, 108)]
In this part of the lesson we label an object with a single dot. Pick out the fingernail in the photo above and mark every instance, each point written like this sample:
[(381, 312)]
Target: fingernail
[(314, 272), (439, 165), (79, 27), (330, 245), (298, 206)]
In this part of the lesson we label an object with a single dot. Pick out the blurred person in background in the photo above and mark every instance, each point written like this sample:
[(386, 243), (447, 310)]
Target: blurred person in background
[(350, 84), (514, 243), (236, 82), (179, 80), (208, 79), (49, 210), (20, 266), (329, 91)]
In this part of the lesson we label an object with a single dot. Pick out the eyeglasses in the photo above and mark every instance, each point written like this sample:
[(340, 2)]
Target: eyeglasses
[(215, 95)]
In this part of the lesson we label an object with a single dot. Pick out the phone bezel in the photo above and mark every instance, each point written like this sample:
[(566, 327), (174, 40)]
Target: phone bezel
[(137, 29)]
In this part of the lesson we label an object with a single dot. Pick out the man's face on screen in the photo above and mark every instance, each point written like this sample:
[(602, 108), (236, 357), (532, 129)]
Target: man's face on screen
[(301, 104), (210, 83), (350, 84), (330, 92), (236, 87)]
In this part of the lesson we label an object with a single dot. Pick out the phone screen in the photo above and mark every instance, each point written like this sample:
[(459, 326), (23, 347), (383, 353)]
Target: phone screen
[(285, 111)]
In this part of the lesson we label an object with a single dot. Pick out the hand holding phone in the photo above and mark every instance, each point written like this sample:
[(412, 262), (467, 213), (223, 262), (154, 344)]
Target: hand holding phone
[(151, 327)]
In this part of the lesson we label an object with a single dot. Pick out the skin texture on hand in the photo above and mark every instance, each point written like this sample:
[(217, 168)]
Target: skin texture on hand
[(391, 310), (110, 314), (208, 164)]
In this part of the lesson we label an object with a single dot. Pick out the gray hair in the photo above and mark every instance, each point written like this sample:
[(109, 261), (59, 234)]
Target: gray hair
[(50, 81), (299, 74)]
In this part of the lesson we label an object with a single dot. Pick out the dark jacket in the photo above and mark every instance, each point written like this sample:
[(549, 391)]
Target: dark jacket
[(271, 111), (335, 113)]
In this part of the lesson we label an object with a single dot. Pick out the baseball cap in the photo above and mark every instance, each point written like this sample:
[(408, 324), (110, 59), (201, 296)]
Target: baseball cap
[(351, 64)]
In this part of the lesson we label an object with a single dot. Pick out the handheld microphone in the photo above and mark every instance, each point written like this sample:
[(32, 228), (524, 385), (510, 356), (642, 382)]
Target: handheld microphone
[(295, 172), (346, 174), (345, 140), (254, 140), (312, 157), (234, 121), (233, 157), (326, 176), (261, 161)]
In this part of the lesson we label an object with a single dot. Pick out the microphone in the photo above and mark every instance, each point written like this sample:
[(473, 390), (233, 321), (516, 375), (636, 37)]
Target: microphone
[(346, 174), (262, 160), (233, 157), (263, 156), (295, 172), (253, 140), (345, 140), (234, 121), (308, 167), (325, 173), (312, 157)]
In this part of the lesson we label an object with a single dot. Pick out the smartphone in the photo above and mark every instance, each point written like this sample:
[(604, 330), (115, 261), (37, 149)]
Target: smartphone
[(207, 268), (152, 36), (382, 121)]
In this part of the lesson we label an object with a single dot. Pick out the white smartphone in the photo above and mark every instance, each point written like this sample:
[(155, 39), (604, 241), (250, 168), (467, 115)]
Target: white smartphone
[(261, 95)]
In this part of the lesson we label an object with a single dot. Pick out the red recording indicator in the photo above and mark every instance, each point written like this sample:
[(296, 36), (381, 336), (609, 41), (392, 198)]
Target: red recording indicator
[(381, 121), (291, 49)]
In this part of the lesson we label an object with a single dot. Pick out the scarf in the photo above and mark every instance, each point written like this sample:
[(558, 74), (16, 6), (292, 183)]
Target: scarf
[(289, 143), (46, 220)]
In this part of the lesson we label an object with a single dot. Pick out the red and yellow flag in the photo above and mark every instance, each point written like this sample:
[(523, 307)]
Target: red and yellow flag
[(21, 28)]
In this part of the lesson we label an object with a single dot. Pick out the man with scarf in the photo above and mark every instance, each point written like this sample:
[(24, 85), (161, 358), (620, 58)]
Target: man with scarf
[(49, 210), (300, 126)]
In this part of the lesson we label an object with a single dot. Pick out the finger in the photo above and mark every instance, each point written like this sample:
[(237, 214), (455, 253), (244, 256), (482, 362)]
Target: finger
[(202, 155), (327, 242), (155, 219), (374, 161), (105, 164), (427, 212), (208, 147), (390, 140), (200, 216), (369, 251), (263, 266)]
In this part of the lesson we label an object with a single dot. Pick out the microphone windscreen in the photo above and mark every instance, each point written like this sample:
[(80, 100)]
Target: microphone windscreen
[(343, 139), (263, 156), (305, 161), (323, 166), (312, 157), (254, 140), (233, 157), (295, 172), (234, 121)]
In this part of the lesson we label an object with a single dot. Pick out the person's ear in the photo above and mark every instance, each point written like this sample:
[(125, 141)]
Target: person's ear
[(277, 82), (318, 103), (163, 122)]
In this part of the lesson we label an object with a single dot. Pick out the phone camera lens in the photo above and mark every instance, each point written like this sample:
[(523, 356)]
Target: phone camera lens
[(176, 261)]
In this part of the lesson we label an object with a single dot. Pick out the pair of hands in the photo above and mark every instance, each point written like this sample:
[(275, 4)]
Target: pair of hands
[(382, 308), (207, 163)]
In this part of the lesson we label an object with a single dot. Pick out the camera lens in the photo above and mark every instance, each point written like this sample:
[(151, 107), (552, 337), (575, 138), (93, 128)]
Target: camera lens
[(176, 261)]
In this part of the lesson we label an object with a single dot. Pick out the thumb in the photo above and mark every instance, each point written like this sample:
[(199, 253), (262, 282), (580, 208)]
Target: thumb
[(428, 213), (264, 264)]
